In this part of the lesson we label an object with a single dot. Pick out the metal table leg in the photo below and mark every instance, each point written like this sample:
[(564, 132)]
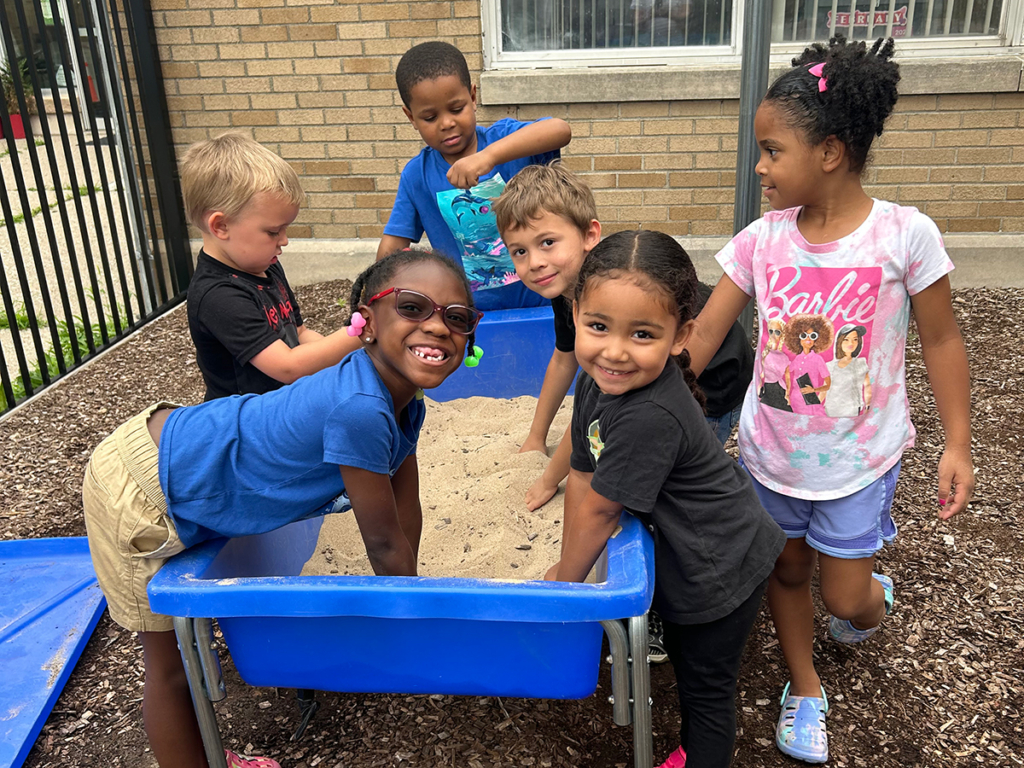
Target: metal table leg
[(631, 684), (194, 643), (643, 740)]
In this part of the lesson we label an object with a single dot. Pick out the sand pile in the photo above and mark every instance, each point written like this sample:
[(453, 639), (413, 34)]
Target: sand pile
[(472, 488)]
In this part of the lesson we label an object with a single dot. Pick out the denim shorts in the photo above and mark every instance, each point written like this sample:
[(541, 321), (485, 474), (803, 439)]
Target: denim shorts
[(851, 528)]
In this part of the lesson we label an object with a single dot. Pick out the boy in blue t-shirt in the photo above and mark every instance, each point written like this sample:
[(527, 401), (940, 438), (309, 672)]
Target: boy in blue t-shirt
[(448, 188)]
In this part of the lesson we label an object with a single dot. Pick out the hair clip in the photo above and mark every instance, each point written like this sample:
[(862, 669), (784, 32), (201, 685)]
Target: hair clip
[(474, 358), (356, 324), (817, 71)]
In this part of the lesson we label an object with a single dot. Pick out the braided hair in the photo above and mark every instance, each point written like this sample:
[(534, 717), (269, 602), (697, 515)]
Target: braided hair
[(657, 261), (376, 278), (860, 94)]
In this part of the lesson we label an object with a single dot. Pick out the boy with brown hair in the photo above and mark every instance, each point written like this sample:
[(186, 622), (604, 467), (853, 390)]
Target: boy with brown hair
[(242, 314), (447, 189)]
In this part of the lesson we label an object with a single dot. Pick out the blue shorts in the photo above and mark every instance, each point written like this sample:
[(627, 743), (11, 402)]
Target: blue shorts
[(851, 528)]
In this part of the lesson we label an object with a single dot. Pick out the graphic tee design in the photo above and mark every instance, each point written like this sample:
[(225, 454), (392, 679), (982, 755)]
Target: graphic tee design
[(594, 441), (470, 217), (826, 413)]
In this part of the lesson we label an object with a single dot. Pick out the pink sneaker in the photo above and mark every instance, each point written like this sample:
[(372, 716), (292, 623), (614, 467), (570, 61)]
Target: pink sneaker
[(676, 760), (235, 761)]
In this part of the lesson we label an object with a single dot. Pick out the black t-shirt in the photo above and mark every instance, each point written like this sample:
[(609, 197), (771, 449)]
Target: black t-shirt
[(232, 317), (652, 451), (726, 377), (565, 328)]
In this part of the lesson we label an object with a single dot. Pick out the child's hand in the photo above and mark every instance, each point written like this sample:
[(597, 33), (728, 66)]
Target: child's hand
[(956, 481), (552, 574), (532, 443), (466, 172), (540, 493)]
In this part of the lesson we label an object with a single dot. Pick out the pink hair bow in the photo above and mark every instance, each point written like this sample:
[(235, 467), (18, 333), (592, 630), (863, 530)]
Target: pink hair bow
[(356, 324), (817, 71)]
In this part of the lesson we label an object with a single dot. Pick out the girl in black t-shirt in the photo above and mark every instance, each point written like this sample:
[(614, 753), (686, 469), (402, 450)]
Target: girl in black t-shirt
[(640, 442)]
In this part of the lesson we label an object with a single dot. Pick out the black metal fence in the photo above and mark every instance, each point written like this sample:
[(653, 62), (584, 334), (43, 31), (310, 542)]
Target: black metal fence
[(93, 241)]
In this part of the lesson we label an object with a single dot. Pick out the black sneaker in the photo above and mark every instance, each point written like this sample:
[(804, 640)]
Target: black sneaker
[(655, 639)]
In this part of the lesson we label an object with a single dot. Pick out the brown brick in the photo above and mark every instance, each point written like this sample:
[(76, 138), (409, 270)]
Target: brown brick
[(336, 231), (593, 111), (412, 29), (1012, 138), (373, 231), (667, 196), (901, 175), (720, 195), (188, 18), (318, 66), (372, 133), (309, 32), (301, 117), (405, 149), (723, 125), (295, 83), (329, 99), (384, 12), (990, 119), (955, 174), (358, 184), (285, 15), (912, 192), (374, 201), (380, 82), (469, 27), (667, 127), (966, 102), (675, 228), (354, 216), (932, 121), (694, 108), (951, 210), (246, 51), (693, 212), (273, 33), (200, 86), (979, 192), (184, 103), (600, 180), (715, 160), (179, 69), (328, 167), (1013, 225), (222, 69), (301, 150), (208, 119), (273, 101), (174, 36), (367, 64), (430, 10), (1009, 101), (578, 164), (466, 8), (1002, 209), (594, 146), (984, 156), (300, 231), (618, 163), (193, 52), (276, 135), (973, 225), (687, 179), (236, 18), (339, 48), (368, 99), (677, 161), (1004, 173), (260, 3), (327, 133), (609, 227), (237, 101), (644, 144), (903, 139), (694, 143), (535, 111), (386, 47), (706, 228), (916, 104), (653, 180), (610, 127), (640, 214), (382, 166), (269, 67), (643, 109), (216, 35), (334, 14), (255, 117), (246, 84)]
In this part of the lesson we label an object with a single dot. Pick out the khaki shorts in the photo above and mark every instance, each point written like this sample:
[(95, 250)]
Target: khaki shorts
[(130, 533)]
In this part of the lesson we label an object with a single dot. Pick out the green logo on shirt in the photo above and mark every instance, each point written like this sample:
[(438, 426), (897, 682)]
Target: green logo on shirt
[(594, 438)]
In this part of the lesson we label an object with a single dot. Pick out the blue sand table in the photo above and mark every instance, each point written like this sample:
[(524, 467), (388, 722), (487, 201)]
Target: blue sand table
[(50, 605)]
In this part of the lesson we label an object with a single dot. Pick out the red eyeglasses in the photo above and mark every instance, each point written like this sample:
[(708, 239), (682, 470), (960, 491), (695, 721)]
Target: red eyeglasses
[(413, 305)]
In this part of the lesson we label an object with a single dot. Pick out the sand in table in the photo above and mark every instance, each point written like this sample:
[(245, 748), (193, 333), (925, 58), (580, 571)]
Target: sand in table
[(472, 488)]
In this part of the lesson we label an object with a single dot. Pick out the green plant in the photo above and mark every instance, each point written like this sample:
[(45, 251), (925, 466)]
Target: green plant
[(20, 320), (9, 75), (69, 338)]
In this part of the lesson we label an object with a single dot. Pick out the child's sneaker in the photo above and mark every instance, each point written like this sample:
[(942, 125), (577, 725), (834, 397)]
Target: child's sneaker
[(656, 652), (801, 730), (843, 631), (676, 760), (236, 761)]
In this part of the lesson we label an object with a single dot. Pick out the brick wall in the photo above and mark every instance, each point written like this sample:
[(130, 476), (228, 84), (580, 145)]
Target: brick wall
[(314, 80)]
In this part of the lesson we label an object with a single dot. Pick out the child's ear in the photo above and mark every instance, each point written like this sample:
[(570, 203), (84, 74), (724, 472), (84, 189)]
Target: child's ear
[(472, 94), (682, 338), (217, 224), (592, 236), (408, 113), (369, 331), (833, 153)]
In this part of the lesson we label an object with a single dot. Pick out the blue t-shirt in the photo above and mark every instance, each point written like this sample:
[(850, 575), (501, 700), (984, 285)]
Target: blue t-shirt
[(460, 222), (249, 464)]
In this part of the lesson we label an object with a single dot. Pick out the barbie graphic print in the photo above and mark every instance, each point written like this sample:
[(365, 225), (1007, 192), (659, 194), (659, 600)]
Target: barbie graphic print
[(827, 411)]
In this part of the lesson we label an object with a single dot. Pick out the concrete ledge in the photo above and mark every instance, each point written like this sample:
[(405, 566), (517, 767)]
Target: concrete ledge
[(994, 73), (982, 260)]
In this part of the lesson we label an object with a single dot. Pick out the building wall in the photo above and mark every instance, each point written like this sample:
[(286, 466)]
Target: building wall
[(314, 81)]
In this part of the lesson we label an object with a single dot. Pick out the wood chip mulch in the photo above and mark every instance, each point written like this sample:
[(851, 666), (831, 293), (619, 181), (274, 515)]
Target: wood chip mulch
[(940, 685)]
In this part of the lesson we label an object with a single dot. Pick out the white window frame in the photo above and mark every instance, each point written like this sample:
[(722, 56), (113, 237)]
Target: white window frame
[(1009, 41)]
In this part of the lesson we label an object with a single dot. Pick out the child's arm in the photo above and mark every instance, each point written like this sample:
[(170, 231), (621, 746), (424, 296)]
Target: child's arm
[(946, 360), (546, 485), (307, 335), (389, 244), (376, 509), (286, 364), (406, 485), (586, 530), (713, 323), (557, 380), (533, 139)]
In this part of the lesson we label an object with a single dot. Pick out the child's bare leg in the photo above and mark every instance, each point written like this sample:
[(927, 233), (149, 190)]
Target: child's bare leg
[(849, 592), (792, 609), (167, 711)]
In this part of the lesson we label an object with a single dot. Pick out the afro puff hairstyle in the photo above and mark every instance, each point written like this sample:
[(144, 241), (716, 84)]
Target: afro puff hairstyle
[(429, 61), (860, 94)]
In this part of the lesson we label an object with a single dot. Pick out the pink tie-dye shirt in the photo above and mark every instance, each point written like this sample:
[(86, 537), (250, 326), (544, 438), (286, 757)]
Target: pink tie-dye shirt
[(848, 297)]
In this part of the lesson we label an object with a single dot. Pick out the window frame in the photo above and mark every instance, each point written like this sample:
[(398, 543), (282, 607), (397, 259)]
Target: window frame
[(1008, 41)]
